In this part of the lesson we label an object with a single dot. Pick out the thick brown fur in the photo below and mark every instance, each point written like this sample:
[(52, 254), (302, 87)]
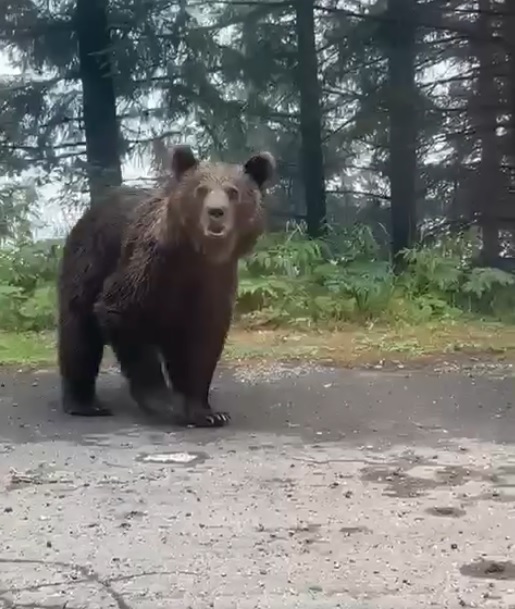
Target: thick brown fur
[(155, 276)]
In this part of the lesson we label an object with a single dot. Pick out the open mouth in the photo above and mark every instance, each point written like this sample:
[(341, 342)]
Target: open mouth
[(216, 231)]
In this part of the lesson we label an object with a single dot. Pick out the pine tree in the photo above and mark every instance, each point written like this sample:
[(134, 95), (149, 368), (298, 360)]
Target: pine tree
[(310, 117), (102, 136)]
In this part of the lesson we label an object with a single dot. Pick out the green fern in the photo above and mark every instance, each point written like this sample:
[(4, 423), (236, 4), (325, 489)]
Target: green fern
[(293, 280), (484, 280)]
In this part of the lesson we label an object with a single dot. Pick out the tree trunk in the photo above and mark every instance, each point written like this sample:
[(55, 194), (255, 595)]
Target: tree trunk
[(401, 50), (509, 42), (508, 35), (312, 156), (99, 100), (485, 120)]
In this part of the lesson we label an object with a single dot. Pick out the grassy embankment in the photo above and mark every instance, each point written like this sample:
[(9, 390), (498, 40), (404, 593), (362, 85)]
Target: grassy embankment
[(348, 346), (335, 300)]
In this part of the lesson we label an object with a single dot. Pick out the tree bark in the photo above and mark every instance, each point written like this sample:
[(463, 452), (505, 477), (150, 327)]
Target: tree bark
[(99, 99), (485, 114), (508, 21), (401, 52), (312, 157), (508, 37)]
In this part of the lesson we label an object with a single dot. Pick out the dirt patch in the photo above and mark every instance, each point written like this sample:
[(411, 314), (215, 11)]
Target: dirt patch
[(494, 495), (401, 484), (446, 512), (489, 569), (348, 531)]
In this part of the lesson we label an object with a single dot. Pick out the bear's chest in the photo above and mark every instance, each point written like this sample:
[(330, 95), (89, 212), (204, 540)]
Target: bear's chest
[(186, 291)]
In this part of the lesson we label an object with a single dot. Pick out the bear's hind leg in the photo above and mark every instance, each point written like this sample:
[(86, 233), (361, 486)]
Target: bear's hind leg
[(175, 360), (80, 349), (141, 366)]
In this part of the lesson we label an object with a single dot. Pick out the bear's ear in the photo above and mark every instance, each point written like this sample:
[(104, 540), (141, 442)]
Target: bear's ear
[(182, 160), (261, 168)]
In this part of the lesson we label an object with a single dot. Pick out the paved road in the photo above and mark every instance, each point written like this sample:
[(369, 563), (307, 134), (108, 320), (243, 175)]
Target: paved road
[(366, 489)]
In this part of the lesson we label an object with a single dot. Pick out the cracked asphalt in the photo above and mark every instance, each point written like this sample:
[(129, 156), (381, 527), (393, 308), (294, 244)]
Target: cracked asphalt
[(358, 489)]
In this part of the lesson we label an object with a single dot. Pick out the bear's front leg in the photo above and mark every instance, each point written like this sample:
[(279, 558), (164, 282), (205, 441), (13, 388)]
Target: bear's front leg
[(191, 359)]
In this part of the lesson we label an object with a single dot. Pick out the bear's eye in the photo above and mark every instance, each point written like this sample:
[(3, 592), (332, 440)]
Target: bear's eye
[(232, 193), (201, 192)]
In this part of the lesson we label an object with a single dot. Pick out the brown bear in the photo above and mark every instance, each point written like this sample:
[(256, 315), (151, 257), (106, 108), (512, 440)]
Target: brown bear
[(155, 277)]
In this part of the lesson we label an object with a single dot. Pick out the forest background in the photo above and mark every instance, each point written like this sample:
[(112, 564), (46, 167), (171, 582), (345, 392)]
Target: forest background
[(392, 225)]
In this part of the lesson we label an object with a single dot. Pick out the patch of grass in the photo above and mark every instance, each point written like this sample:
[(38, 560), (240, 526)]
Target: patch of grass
[(356, 345), (27, 349), (350, 345)]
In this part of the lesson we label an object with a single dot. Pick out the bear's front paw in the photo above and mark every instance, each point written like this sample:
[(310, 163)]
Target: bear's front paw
[(209, 419), (196, 414), (85, 409)]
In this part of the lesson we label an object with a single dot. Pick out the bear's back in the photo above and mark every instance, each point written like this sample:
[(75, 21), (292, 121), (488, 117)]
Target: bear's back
[(93, 246)]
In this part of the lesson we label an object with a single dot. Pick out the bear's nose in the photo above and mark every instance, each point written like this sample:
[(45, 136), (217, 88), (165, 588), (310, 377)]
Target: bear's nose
[(216, 212)]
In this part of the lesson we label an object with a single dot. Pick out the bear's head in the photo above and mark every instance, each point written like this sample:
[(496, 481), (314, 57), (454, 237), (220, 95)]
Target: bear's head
[(217, 206)]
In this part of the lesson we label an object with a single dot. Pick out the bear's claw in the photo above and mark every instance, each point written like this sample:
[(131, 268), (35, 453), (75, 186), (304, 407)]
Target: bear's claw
[(210, 419)]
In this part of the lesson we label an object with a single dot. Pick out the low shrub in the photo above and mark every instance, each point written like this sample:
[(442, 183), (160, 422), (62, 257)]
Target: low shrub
[(290, 279)]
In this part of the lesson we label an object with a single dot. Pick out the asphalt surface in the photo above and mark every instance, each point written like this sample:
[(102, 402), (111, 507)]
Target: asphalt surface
[(363, 489)]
